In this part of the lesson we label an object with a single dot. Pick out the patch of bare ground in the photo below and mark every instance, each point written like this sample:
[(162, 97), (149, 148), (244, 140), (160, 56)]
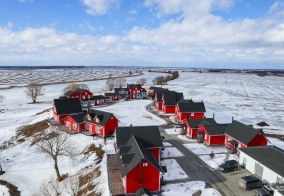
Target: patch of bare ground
[(86, 184), (30, 130), (98, 150), (262, 124), (13, 190)]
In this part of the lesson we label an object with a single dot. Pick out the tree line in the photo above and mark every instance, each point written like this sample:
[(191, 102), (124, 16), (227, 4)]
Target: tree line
[(161, 80)]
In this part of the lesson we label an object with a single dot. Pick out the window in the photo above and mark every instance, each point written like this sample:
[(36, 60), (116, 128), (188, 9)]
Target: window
[(83, 97), (98, 130), (89, 96), (86, 93), (191, 114), (68, 124), (145, 164), (75, 126)]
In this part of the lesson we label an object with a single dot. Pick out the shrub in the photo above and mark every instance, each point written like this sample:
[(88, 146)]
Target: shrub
[(211, 155)]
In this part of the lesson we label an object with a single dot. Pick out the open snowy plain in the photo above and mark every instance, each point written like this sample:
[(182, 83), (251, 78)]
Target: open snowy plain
[(247, 98)]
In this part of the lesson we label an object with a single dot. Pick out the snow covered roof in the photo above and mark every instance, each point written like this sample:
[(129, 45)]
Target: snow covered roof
[(270, 156)]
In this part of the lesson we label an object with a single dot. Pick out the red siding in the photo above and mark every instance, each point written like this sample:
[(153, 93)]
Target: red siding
[(74, 95), (156, 153), (258, 140), (72, 122), (169, 109), (110, 126), (159, 105), (133, 92), (216, 140), (147, 176), (86, 95)]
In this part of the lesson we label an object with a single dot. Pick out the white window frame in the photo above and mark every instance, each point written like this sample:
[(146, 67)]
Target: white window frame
[(98, 130), (145, 164), (68, 124), (192, 114), (75, 126)]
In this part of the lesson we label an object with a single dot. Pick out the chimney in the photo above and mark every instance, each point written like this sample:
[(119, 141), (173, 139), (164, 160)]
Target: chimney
[(213, 115), (232, 118)]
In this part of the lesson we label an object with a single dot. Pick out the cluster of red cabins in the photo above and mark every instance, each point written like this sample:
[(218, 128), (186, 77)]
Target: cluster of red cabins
[(191, 114), (138, 154)]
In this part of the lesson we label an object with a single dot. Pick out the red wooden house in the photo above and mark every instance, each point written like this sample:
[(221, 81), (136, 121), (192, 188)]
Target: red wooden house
[(239, 135), (213, 134), (170, 99), (152, 91), (123, 93), (189, 109), (112, 96), (192, 125), (136, 91), (138, 153), (100, 123), (64, 107), (79, 93), (75, 122), (99, 100)]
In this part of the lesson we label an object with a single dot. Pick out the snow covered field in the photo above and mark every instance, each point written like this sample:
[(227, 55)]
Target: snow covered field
[(249, 98)]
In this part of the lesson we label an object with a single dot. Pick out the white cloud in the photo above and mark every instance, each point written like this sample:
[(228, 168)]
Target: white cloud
[(99, 7)]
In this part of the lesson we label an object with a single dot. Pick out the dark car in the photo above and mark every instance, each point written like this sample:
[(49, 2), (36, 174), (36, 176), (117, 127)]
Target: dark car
[(250, 182), (265, 190), (230, 165)]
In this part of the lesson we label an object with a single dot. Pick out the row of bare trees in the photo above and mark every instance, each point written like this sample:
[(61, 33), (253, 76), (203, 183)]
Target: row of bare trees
[(160, 80), (112, 83)]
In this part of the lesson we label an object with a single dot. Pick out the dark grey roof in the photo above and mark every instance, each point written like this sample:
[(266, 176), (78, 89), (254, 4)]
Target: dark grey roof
[(80, 90), (270, 156), (142, 192), (120, 89), (124, 149), (103, 117), (143, 90), (79, 118), (111, 94), (150, 135), (215, 129), (67, 106), (171, 97), (155, 88), (139, 153), (96, 97), (159, 95), (190, 106), (241, 132), (195, 123), (68, 93)]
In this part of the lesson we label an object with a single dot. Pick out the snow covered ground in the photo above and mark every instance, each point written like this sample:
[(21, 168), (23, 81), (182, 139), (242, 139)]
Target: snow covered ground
[(170, 152), (248, 98)]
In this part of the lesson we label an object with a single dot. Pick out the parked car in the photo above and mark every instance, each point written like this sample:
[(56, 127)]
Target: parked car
[(265, 190), (230, 165), (250, 182), (177, 125)]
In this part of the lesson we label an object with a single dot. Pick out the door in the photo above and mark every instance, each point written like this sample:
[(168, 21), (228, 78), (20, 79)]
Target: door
[(244, 162), (258, 170)]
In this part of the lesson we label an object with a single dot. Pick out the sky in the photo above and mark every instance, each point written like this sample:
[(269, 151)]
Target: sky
[(176, 33)]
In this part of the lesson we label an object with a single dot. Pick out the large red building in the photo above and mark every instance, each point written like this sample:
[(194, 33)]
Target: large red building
[(64, 107), (192, 125), (189, 109), (138, 152), (239, 135), (79, 93)]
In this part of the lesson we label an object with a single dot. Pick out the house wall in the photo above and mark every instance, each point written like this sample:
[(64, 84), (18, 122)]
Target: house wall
[(147, 176), (192, 115), (156, 152), (258, 140), (216, 140), (228, 138), (135, 92), (159, 105), (86, 95), (74, 95), (110, 126), (267, 176), (169, 109)]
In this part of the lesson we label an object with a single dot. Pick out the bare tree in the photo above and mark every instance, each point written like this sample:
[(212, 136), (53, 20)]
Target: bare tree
[(55, 145), (72, 185), (142, 81), (120, 82), (74, 86), (49, 188), (110, 84), (34, 90), (1, 98)]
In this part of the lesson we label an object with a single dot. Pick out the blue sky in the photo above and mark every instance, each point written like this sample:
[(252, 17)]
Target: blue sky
[(207, 33)]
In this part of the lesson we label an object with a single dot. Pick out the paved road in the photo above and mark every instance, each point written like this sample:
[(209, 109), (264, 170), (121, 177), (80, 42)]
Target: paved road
[(225, 183)]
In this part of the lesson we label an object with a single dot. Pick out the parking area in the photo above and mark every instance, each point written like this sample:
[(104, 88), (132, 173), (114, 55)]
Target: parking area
[(232, 179)]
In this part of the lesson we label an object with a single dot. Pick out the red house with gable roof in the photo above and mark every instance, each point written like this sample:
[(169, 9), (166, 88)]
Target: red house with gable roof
[(189, 109), (100, 123), (75, 122), (170, 99), (138, 153), (192, 125), (79, 93), (213, 134), (239, 135), (64, 107)]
